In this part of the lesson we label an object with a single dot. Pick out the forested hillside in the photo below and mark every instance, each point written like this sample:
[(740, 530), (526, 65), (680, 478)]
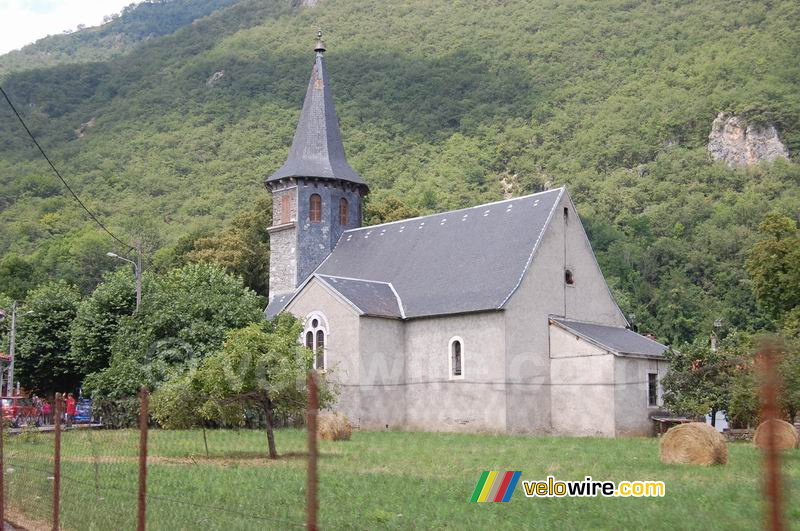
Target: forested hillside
[(118, 35), (442, 105)]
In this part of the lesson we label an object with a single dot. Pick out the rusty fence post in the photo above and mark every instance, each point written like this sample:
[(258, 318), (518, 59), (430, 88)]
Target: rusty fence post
[(2, 470), (57, 462), (311, 484), (769, 412), (143, 413)]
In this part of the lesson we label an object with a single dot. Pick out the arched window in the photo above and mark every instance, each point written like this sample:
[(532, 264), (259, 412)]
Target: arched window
[(319, 350), (456, 358), (315, 208), (310, 339), (285, 208), (343, 211), (315, 340), (569, 278)]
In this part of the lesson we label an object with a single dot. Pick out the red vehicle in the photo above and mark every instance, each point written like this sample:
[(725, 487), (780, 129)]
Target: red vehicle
[(19, 411)]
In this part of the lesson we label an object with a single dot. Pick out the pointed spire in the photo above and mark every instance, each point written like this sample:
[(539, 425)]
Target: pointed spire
[(317, 149)]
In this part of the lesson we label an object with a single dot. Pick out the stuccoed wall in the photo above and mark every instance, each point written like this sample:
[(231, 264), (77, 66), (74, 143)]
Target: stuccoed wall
[(341, 343), (630, 401), (475, 403), (542, 293), (382, 373), (581, 396)]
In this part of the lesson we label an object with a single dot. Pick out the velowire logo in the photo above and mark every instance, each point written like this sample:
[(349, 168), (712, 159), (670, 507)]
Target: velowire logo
[(494, 486)]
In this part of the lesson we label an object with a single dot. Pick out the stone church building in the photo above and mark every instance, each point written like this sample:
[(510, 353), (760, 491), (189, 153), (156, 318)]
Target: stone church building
[(492, 318)]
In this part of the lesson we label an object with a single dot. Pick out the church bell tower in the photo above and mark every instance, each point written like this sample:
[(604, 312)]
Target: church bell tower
[(316, 195)]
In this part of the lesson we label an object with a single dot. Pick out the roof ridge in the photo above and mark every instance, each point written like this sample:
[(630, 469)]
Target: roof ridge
[(369, 227), (353, 278)]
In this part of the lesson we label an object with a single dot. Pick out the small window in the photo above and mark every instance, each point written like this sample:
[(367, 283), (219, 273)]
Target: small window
[(315, 208), (456, 358), (566, 213), (569, 278), (285, 209), (343, 211), (652, 389)]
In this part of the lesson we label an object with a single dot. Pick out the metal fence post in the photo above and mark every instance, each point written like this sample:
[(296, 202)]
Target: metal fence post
[(769, 412), (143, 413), (57, 463), (311, 486), (2, 469)]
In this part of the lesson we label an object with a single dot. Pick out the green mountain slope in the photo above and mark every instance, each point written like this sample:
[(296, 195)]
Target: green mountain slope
[(122, 32), (442, 104)]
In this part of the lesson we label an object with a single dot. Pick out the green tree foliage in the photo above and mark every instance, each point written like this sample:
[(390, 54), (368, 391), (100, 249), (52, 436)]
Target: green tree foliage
[(184, 317), (260, 366), (457, 105), (774, 265), (98, 318), (243, 248), (119, 34), (699, 380), (44, 362)]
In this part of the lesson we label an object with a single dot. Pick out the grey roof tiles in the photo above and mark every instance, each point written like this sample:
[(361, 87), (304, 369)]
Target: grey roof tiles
[(317, 149), (459, 261), (614, 338)]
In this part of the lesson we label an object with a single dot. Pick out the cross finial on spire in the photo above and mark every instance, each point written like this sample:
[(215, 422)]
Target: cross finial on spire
[(320, 46)]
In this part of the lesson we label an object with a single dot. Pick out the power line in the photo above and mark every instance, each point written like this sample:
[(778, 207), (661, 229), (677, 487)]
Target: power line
[(74, 195)]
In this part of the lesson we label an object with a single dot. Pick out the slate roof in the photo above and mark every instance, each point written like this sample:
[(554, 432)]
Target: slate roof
[(465, 260), (317, 149), (614, 338), (368, 297)]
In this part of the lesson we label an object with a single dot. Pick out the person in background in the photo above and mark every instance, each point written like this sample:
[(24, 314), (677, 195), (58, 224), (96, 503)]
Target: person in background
[(37, 404), (46, 412), (71, 409)]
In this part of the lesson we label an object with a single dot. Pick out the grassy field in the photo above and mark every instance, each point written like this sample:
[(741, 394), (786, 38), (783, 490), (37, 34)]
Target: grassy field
[(376, 480)]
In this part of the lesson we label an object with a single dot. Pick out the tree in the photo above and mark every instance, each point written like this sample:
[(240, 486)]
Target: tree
[(185, 316), (44, 362), (261, 366), (98, 319), (774, 265), (387, 208), (699, 379), (242, 249)]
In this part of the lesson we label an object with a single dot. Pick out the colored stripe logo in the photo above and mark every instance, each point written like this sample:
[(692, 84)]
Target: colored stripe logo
[(494, 486)]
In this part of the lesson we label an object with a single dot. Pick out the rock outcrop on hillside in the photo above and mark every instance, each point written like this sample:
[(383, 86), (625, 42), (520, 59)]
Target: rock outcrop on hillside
[(739, 143)]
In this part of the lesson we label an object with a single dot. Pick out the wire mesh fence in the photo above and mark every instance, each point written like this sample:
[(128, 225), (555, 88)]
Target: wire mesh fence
[(69, 476)]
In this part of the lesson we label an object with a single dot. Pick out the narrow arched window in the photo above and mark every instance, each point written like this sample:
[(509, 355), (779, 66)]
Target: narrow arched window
[(310, 339), (456, 358), (569, 278), (285, 209), (319, 362), (315, 332), (315, 208), (343, 211)]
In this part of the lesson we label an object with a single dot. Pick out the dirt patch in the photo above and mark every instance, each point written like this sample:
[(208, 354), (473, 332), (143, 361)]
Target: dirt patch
[(19, 521)]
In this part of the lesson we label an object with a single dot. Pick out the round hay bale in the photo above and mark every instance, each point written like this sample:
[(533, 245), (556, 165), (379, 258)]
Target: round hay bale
[(334, 427), (786, 437), (694, 443)]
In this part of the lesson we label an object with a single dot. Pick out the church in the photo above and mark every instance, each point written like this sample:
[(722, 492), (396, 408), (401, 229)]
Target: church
[(494, 318)]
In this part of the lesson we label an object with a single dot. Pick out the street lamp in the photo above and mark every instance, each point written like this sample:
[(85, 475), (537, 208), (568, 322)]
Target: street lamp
[(137, 268)]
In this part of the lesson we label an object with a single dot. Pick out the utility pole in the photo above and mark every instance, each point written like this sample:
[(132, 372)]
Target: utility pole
[(12, 340), (137, 269)]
